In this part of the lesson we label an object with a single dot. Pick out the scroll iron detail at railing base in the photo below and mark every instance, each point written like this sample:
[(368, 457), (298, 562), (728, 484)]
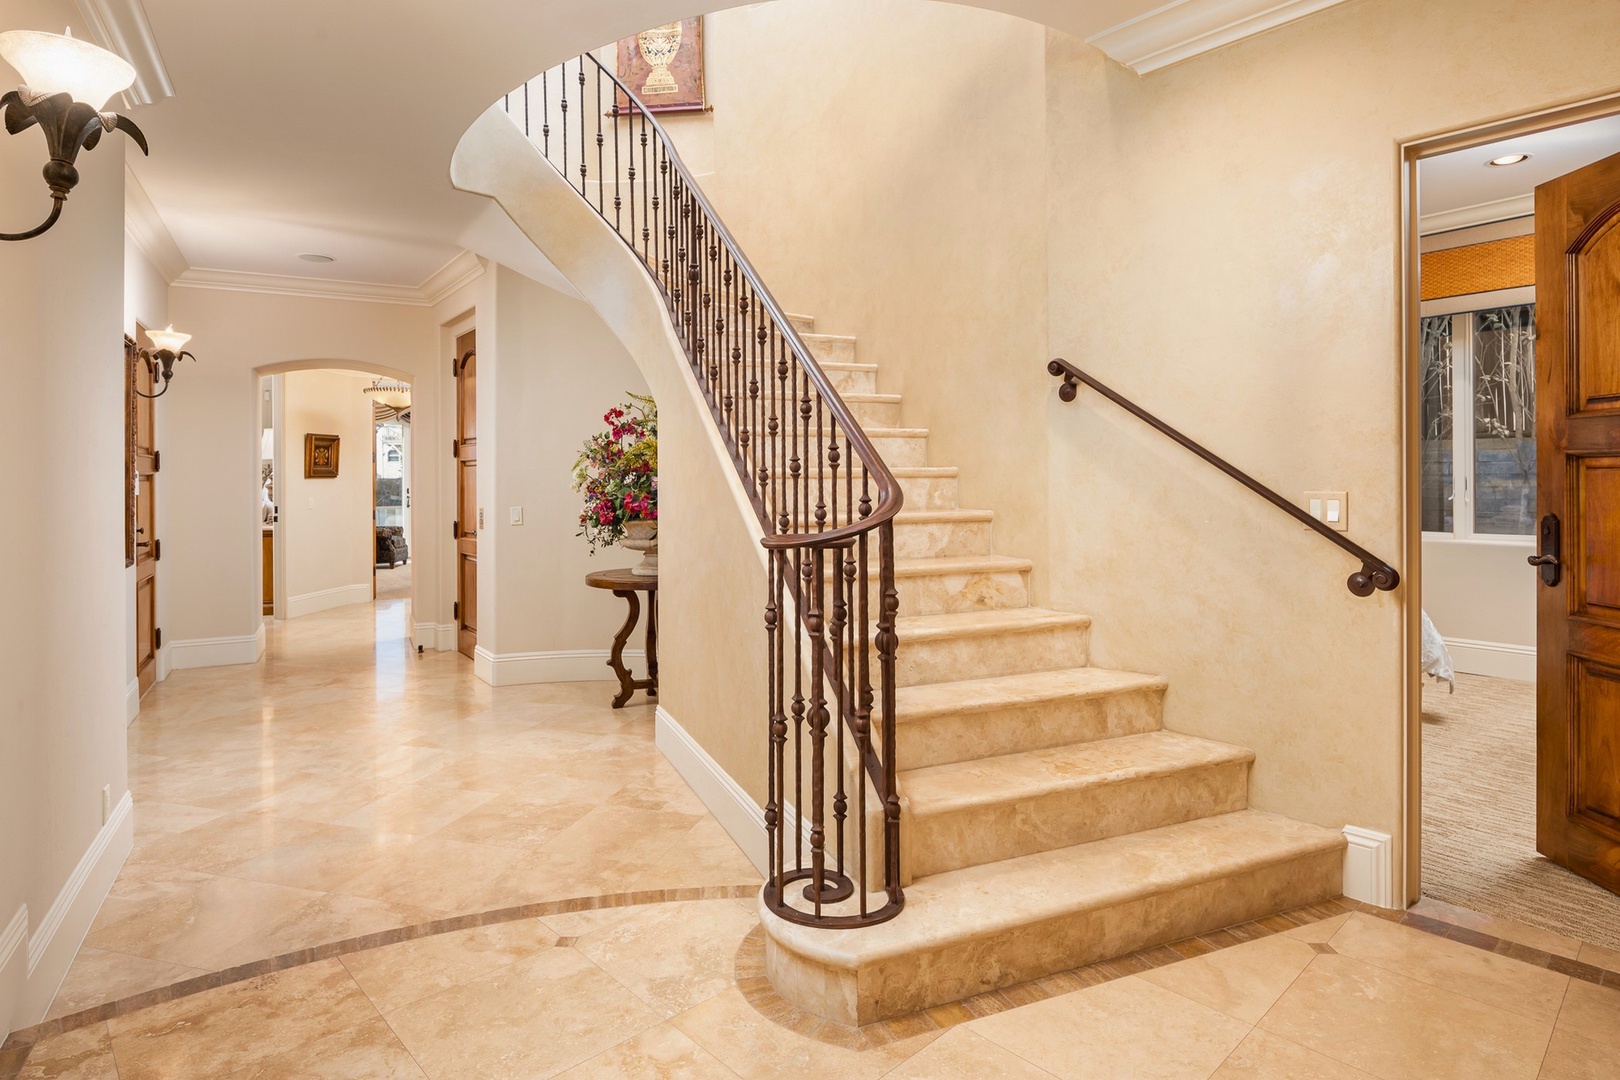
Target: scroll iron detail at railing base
[(1375, 574)]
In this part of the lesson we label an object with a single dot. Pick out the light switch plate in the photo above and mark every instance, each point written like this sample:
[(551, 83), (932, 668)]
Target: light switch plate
[(516, 515), (1332, 508)]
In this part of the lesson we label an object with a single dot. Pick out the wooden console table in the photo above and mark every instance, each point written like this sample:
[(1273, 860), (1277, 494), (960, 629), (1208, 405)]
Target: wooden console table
[(624, 583)]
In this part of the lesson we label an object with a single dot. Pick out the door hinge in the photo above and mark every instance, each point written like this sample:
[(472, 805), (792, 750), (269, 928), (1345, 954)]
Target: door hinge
[(455, 448), (455, 610), (157, 460), (157, 638), (455, 530), (157, 550)]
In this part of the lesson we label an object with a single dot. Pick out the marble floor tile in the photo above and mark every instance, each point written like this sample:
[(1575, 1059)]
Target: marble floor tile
[(1397, 1027), (329, 917), (1264, 1056), (417, 810), (369, 1050), (229, 840), (85, 1054), (706, 854), (673, 956), (397, 975), (660, 1053), (1242, 981), (1592, 1011), (1507, 929), (1598, 956), (1533, 992), (1127, 1027), (98, 975), (1320, 932), (962, 1054), (197, 927), (427, 871), (533, 1018), (755, 1048), (238, 1028)]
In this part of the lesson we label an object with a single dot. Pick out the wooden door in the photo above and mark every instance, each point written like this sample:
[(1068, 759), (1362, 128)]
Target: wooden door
[(145, 547), (466, 525), (1578, 499)]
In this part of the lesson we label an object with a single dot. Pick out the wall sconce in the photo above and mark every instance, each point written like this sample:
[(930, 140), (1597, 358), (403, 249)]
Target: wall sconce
[(65, 84), (161, 362)]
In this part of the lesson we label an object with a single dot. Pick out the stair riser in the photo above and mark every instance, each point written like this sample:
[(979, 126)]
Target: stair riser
[(852, 382), (929, 492), (896, 986), (901, 452), (804, 324), (875, 414), (972, 836), (941, 740), (941, 539), (940, 594), (982, 656), (832, 350)]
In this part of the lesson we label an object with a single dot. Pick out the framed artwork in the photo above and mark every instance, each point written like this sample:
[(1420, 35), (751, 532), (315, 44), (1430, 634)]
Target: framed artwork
[(320, 457), (664, 67)]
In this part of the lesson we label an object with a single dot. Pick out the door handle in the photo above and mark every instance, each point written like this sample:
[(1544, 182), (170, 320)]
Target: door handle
[(1548, 559)]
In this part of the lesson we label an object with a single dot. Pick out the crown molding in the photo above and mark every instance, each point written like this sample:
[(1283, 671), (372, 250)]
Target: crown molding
[(144, 226), (1466, 217), (1184, 29), (121, 26), (451, 276)]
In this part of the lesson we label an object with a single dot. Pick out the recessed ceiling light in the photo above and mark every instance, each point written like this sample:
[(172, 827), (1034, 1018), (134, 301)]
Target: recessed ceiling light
[(1508, 159), (310, 256)]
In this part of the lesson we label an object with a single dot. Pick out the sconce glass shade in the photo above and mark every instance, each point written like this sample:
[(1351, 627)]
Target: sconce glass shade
[(168, 339), (54, 63)]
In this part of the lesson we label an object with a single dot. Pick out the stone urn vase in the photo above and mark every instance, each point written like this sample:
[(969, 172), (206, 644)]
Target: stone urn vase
[(642, 536)]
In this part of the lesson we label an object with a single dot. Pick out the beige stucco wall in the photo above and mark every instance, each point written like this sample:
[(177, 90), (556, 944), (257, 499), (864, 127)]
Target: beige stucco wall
[(883, 166), (1224, 249)]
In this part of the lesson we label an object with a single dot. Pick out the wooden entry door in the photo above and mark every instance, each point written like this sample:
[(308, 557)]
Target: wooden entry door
[(466, 525), (1578, 500), (144, 547)]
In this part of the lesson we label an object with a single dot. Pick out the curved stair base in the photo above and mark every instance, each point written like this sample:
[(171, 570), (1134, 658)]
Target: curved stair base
[(984, 927)]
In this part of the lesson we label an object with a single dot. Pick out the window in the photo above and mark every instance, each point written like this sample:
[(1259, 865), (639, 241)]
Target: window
[(393, 455), (1479, 422)]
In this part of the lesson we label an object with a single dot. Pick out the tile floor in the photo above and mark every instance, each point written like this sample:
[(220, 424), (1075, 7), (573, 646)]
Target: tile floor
[(477, 799)]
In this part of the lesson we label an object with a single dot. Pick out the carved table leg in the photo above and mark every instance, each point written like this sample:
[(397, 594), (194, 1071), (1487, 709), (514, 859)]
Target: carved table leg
[(627, 685), (652, 643)]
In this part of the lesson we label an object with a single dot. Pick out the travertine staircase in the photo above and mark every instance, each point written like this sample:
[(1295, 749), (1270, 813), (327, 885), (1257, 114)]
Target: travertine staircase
[(1050, 821)]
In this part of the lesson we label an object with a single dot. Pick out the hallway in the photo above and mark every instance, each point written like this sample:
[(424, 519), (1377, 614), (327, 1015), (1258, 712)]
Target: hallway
[(347, 785)]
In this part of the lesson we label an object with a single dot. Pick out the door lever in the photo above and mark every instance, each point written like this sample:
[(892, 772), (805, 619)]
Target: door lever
[(1550, 550)]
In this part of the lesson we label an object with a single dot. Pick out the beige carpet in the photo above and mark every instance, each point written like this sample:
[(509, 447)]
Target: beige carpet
[(394, 584), (1479, 814)]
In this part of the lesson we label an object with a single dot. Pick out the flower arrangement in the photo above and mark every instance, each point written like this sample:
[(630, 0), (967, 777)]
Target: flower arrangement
[(617, 472)]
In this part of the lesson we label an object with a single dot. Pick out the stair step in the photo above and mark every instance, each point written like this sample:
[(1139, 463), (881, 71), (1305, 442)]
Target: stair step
[(995, 808), (962, 583), (831, 349), (924, 487), (985, 927), (980, 644), (900, 446), (804, 324), (876, 410), (849, 377), (929, 533), (1008, 714)]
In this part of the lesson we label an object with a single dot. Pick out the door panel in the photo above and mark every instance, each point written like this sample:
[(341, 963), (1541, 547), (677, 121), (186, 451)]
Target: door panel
[(144, 464), (466, 366), (1578, 481)]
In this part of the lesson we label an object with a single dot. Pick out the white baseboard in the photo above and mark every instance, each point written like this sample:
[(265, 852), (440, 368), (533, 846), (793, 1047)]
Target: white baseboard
[(440, 637), (1369, 867), (165, 663), (1493, 658), (738, 814), (132, 700), (326, 599), (214, 652), (13, 971), (573, 665), (55, 941)]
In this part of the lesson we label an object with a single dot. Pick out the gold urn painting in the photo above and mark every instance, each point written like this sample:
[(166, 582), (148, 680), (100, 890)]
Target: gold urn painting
[(664, 67)]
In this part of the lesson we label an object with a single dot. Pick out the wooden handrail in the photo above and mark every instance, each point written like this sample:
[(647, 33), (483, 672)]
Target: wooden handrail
[(1374, 574)]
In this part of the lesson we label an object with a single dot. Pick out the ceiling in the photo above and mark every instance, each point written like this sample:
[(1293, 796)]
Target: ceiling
[(327, 126), (1453, 184)]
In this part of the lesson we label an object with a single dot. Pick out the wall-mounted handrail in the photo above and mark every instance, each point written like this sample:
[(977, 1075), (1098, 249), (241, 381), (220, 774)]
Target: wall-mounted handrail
[(1374, 574), (824, 498)]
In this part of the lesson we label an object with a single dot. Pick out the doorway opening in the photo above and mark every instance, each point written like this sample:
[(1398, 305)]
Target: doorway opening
[(391, 450), (1479, 448)]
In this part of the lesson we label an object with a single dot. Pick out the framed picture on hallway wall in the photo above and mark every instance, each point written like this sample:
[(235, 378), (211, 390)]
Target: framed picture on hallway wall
[(320, 457), (664, 67)]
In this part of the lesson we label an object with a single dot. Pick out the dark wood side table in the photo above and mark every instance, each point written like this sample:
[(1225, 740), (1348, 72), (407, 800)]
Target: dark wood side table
[(624, 583)]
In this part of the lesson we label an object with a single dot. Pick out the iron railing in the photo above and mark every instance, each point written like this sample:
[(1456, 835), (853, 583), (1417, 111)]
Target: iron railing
[(1375, 573), (824, 499)]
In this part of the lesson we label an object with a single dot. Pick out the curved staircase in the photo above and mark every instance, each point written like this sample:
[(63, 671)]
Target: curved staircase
[(1049, 819)]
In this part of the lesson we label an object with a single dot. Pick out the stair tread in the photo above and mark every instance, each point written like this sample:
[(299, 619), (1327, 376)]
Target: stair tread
[(982, 695), (980, 901), (870, 399), (939, 789), (938, 472), (935, 517), (815, 336), (962, 564), (896, 432), (835, 365), (987, 622)]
